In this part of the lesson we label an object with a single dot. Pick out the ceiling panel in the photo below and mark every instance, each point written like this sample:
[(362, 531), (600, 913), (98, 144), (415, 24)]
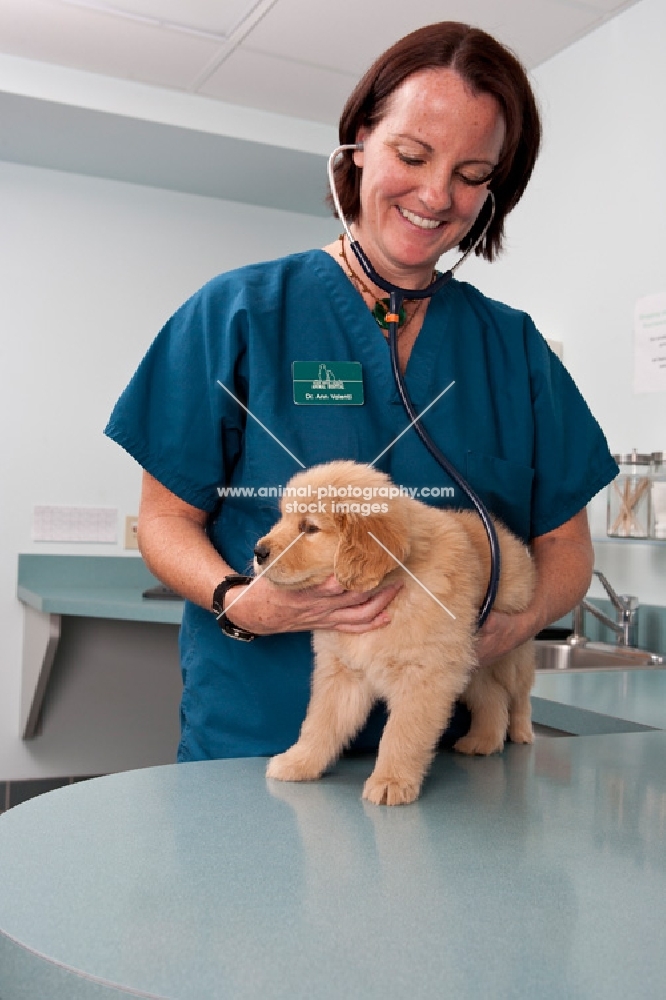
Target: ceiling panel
[(536, 31), (319, 31), (299, 59), (59, 33), (604, 6), (202, 15), (255, 79)]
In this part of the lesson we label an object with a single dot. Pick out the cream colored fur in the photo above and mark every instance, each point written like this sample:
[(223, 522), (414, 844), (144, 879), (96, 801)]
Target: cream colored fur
[(424, 659)]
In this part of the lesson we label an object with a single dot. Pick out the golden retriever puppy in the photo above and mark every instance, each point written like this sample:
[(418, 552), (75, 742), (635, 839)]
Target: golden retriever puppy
[(341, 518)]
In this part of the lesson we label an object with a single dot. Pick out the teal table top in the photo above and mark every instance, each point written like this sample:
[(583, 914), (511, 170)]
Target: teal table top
[(537, 873), (93, 587)]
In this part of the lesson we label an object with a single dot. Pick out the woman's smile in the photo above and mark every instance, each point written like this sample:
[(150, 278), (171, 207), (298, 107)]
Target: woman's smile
[(419, 220)]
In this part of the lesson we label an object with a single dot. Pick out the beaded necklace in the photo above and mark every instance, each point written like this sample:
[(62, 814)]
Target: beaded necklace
[(381, 306)]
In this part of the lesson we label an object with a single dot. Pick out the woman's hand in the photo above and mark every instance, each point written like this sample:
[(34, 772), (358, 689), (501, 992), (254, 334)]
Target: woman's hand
[(564, 559), (501, 633), (264, 608)]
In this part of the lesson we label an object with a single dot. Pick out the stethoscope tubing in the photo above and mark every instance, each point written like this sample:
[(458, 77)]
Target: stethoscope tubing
[(396, 298), (442, 460)]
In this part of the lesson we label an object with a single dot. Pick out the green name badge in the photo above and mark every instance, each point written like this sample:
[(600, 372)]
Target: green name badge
[(338, 383)]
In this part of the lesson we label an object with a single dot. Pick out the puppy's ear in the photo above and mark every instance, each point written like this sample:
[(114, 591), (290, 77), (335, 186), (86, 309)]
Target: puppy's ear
[(361, 563)]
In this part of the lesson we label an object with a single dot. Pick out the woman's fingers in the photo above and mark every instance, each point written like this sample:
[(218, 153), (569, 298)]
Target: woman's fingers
[(264, 608), (364, 615)]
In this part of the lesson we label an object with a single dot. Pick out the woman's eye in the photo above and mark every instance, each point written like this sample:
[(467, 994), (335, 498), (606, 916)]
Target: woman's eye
[(474, 181), (411, 161)]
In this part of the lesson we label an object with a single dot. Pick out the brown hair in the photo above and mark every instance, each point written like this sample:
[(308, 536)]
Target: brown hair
[(487, 68)]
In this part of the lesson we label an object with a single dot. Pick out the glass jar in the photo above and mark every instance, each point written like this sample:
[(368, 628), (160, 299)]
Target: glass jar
[(658, 495), (629, 497)]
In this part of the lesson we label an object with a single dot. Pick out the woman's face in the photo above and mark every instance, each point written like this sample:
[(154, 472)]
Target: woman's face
[(424, 171)]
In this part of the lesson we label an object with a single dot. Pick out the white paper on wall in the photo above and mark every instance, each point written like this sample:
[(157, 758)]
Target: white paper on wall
[(75, 524), (650, 344)]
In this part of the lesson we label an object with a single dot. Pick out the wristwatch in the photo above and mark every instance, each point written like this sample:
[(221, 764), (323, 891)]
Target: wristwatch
[(227, 626)]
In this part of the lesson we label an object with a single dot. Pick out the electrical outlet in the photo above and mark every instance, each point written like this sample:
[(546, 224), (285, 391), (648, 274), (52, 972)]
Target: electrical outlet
[(131, 529)]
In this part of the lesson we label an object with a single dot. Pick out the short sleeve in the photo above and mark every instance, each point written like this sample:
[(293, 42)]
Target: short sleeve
[(173, 417), (571, 461)]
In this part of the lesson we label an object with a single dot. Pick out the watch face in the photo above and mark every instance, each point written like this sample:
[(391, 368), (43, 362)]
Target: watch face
[(235, 631)]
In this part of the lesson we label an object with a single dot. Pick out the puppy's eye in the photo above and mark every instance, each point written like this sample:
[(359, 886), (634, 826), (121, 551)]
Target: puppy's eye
[(308, 528)]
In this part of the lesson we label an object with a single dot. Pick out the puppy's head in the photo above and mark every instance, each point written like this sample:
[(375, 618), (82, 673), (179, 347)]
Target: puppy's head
[(336, 518)]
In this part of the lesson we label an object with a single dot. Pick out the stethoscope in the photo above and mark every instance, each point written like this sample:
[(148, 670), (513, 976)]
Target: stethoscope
[(396, 298)]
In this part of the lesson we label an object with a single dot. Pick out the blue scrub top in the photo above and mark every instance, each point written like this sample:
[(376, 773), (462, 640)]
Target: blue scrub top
[(513, 423)]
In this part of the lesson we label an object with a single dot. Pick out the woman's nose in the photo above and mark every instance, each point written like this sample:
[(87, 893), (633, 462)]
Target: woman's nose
[(436, 192)]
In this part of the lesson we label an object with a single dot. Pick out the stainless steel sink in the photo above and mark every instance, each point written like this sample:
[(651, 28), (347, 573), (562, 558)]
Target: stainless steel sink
[(593, 656)]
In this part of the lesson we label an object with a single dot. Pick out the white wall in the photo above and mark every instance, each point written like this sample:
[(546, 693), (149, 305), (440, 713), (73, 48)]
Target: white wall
[(90, 270), (589, 238)]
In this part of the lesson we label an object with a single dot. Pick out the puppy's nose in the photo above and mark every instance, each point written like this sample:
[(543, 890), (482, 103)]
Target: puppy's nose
[(262, 552)]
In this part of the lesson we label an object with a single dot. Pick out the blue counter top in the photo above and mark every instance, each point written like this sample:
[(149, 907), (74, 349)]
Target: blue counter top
[(93, 587), (537, 873)]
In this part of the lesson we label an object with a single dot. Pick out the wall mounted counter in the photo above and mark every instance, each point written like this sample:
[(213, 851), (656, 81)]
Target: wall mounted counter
[(53, 586)]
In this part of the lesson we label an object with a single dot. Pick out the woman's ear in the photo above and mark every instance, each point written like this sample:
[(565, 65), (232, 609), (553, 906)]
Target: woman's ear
[(369, 548), (358, 154)]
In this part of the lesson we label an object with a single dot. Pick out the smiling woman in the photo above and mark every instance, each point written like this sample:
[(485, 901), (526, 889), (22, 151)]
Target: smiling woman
[(446, 119)]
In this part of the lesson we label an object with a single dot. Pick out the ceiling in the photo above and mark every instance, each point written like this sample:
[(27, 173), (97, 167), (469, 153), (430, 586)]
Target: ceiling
[(195, 58), (295, 57)]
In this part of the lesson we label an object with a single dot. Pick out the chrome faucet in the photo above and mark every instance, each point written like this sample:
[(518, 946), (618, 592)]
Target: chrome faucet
[(625, 625)]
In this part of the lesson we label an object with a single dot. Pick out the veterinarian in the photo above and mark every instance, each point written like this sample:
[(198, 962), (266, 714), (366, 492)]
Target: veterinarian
[(445, 118)]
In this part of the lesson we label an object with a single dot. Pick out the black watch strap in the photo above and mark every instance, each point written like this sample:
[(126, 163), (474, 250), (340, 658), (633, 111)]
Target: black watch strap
[(227, 626)]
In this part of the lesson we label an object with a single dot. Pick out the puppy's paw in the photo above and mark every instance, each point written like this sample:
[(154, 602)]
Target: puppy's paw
[(292, 765), (480, 743), (390, 791), (521, 732)]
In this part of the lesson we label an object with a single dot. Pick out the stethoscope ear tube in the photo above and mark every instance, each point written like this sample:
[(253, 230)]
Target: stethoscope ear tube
[(442, 460)]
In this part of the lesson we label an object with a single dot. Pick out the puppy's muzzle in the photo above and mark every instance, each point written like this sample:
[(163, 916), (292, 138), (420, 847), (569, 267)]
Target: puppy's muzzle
[(261, 552)]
